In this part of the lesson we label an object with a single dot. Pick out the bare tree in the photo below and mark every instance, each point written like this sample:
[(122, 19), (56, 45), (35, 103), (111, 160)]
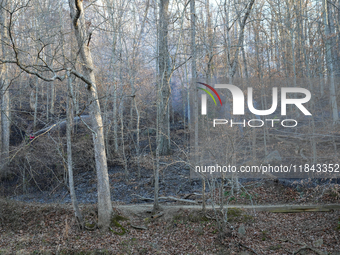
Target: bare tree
[(58, 73), (163, 92), (329, 60), (232, 63), (164, 78), (104, 198), (69, 118), (5, 100)]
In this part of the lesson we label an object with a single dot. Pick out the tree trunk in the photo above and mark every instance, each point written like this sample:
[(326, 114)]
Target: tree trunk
[(329, 60), (104, 198), (50, 91), (164, 78), (69, 118), (137, 138), (5, 124), (114, 26), (121, 116), (36, 103), (234, 62), (5, 101)]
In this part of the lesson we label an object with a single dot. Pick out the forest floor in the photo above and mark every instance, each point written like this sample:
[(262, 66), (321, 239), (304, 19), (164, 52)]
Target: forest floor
[(34, 228), (34, 220)]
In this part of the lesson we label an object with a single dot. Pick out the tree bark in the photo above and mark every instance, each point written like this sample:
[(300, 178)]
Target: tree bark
[(233, 64), (114, 26), (69, 112), (104, 198), (164, 78), (329, 60), (36, 103), (5, 100)]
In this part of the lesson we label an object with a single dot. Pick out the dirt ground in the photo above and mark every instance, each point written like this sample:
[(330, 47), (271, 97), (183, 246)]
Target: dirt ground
[(31, 228), (43, 222)]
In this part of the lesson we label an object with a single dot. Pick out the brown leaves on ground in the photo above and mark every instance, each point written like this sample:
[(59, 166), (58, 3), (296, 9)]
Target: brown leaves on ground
[(272, 192), (44, 229)]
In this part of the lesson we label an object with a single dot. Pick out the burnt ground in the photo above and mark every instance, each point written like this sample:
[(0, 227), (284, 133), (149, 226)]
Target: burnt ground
[(121, 190), (42, 221), (177, 183), (174, 176)]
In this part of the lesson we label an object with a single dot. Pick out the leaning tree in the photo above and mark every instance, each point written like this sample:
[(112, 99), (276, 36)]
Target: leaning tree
[(60, 71)]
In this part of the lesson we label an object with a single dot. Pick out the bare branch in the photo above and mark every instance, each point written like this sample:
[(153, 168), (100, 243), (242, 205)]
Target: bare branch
[(78, 12)]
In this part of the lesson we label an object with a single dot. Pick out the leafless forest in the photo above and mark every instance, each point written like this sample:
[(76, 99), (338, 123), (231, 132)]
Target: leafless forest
[(99, 106)]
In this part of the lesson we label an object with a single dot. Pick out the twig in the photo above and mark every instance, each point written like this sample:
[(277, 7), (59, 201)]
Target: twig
[(94, 132), (157, 215), (304, 247), (168, 198), (191, 194), (240, 244), (90, 227), (139, 227), (30, 143)]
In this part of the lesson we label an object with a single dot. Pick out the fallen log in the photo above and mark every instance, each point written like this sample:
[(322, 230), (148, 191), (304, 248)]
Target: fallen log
[(61, 125), (139, 227), (155, 216), (304, 247), (166, 198), (268, 208), (191, 194), (298, 210)]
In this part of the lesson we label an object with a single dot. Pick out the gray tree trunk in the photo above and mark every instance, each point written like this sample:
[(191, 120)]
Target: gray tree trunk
[(193, 81), (164, 78), (234, 62), (69, 118), (121, 116), (114, 26), (5, 101), (104, 198), (329, 60), (36, 103)]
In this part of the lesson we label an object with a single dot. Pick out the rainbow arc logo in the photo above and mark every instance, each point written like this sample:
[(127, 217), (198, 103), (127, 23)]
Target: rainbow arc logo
[(204, 97)]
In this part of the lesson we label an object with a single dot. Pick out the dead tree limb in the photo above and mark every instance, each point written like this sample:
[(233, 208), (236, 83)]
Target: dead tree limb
[(139, 227), (167, 198), (155, 216)]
